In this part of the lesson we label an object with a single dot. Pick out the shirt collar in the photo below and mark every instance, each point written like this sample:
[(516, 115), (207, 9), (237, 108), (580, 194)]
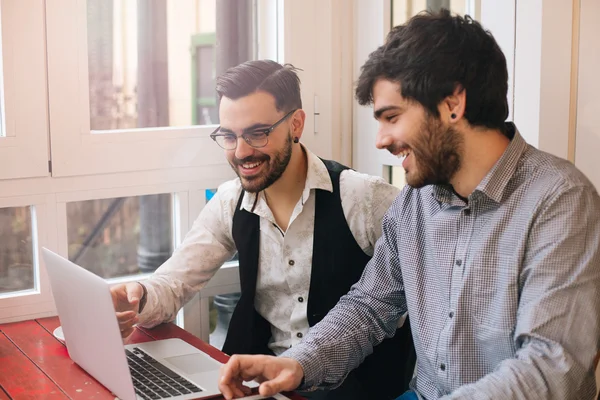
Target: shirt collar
[(317, 177), (493, 185)]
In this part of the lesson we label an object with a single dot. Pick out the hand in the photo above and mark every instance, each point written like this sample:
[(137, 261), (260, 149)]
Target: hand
[(126, 299), (276, 374)]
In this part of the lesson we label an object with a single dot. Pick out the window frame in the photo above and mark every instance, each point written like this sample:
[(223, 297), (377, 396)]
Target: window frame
[(24, 144), (313, 35)]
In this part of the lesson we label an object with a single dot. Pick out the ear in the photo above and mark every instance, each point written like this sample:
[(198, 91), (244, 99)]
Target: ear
[(298, 119), (452, 108)]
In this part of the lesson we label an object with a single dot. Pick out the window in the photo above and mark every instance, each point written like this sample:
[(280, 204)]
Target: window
[(17, 269), (132, 60), (92, 127), (116, 96), (122, 236)]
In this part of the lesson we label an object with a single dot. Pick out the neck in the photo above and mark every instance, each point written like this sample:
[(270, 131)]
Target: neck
[(288, 188), (482, 149)]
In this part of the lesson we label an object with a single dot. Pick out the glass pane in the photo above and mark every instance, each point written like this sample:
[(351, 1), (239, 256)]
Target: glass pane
[(122, 236), (16, 250), (397, 176), (403, 10), (153, 63)]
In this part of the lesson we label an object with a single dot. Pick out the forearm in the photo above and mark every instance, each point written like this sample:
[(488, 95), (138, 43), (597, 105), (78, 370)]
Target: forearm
[(165, 297), (342, 340)]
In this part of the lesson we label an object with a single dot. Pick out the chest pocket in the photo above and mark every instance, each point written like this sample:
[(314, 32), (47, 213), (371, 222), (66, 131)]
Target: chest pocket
[(492, 292)]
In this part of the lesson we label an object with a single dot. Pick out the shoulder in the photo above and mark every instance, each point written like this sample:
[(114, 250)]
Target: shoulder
[(550, 176), (366, 185), (227, 195)]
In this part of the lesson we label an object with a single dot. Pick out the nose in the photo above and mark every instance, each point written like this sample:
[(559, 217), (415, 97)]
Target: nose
[(243, 149), (383, 139)]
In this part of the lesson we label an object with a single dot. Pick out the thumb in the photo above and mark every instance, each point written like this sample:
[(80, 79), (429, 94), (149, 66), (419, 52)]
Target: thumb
[(133, 295), (280, 383)]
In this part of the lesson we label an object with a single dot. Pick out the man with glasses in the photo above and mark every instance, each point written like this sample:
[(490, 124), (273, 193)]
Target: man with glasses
[(303, 227)]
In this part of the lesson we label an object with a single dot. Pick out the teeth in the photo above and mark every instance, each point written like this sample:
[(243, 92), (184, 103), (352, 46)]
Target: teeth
[(251, 165), (403, 154)]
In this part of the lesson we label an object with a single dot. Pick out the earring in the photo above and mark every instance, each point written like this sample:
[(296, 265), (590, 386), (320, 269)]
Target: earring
[(296, 139), (453, 116)]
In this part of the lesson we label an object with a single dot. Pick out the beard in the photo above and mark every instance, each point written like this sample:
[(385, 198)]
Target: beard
[(436, 154), (274, 167)]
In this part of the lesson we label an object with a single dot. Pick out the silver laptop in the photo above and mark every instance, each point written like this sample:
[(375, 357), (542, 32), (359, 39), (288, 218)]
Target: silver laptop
[(169, 368)]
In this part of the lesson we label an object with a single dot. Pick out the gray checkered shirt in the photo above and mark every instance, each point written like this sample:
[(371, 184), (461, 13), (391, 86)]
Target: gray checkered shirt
[(502, 291)]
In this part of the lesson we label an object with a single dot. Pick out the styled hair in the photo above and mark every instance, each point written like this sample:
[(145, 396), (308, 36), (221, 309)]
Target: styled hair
[(281, 81), (433, 54)]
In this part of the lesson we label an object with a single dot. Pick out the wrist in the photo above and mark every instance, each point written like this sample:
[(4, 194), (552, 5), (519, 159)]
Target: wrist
[(143, 299)]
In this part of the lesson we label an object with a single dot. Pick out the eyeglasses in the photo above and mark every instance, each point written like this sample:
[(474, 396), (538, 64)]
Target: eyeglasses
[(256, 138)]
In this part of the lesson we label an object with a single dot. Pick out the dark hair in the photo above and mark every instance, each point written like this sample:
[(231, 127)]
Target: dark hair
[(281, 81), (434, 53)]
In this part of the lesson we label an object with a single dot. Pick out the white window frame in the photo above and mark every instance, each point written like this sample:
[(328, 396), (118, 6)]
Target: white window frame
[(166, 160), (76, 150), (35, 302), (24, 144)]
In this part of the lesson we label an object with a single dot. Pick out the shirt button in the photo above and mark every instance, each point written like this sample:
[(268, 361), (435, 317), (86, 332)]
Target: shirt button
[(299, 334), (443, 367), (300, 299), (451, 314), (291, 262), (459, 262)]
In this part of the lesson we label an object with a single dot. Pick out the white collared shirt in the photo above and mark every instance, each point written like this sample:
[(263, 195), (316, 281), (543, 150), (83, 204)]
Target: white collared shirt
[(285, 257)]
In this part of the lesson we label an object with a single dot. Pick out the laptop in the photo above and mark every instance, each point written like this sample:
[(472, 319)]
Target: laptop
[(162, 369)]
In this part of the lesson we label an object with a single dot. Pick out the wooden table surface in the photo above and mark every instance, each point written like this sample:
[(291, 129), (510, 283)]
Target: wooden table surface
[(36, 365)]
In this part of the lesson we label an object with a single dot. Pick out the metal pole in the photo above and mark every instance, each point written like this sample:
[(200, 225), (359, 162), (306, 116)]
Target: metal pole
[(155, 244)]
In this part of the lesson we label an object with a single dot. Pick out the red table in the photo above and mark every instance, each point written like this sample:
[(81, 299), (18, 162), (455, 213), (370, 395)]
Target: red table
[(35, 365)]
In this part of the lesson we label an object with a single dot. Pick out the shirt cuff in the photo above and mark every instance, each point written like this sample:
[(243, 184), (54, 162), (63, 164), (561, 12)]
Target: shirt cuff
[(310, 363)]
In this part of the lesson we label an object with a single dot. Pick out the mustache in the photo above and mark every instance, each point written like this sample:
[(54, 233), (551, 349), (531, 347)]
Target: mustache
[(252, 159), (396, 148)]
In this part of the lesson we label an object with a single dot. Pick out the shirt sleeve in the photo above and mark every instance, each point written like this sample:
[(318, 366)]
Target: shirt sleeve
[(203, 251), (557, 332), (365, 200), (361, 319)]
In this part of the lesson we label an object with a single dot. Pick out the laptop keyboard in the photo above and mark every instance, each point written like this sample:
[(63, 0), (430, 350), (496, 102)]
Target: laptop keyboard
[(153, 380)]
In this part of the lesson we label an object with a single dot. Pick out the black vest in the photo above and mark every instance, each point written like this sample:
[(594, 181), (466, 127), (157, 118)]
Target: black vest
[(337, 263)]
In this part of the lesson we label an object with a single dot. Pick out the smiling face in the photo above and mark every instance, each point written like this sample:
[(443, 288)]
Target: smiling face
[(257, 168), (431, 150)]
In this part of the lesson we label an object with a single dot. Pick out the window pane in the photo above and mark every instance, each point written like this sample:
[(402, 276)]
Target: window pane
[(16, 250), (122, 236), (403, 10), (397, 176), (153, 63)]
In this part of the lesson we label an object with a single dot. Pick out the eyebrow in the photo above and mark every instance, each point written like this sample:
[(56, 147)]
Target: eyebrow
[(248, 129), (377, 113)]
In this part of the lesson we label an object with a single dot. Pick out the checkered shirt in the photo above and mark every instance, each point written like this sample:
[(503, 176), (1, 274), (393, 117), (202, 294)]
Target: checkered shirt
[(502, 290)]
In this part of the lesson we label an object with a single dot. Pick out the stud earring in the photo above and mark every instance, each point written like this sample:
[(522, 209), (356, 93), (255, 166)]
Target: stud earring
[(296, 139), (453, 116)]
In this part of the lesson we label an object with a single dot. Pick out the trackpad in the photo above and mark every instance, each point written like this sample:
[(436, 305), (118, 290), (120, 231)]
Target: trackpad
[(192, 364)]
